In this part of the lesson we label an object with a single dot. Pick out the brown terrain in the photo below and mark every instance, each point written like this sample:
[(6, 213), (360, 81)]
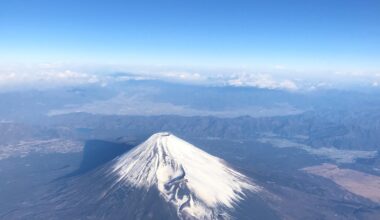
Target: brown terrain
[(359, 183)]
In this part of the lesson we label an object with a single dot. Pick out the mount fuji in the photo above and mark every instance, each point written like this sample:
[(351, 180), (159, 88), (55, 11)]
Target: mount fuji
[(197, 184), (164, 177)]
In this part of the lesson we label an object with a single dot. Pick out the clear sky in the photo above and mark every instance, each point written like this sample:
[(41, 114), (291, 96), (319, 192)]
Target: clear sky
[(339, 35)]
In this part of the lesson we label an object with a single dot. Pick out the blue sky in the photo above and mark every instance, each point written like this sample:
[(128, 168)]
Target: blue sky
[(304, 35)]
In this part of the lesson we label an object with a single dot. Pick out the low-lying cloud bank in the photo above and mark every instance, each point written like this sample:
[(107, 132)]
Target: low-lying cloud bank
[(47, 76), (44, 78), (263, 81)]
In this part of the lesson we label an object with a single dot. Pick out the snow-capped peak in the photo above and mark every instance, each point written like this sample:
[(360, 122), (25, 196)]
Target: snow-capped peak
[(197, 183)]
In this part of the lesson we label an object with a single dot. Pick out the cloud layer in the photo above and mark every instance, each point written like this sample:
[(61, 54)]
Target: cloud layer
[(52, 75), (263, 81), (44, 78)]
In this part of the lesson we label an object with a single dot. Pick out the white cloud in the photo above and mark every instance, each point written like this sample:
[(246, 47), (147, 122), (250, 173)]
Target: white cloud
[(263, 81), (50, 75), (47, 75), (43, 77), (181, 75)]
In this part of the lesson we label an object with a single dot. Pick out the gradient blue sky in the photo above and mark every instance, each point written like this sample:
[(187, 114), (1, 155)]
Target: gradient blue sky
[(333, 35)]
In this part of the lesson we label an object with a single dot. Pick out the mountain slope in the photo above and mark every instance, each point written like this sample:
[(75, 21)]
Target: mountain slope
[(197, 184)]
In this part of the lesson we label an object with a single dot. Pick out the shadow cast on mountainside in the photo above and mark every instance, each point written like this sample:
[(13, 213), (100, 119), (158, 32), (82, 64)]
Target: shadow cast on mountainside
[(97, 153)]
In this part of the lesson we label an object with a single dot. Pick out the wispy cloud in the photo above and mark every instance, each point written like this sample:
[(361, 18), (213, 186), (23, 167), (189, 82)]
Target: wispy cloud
[(46, 75), (49, 75), (46, 79), (263, 81)]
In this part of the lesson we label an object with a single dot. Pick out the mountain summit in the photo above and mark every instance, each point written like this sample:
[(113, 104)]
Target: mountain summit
[(198, 184)]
